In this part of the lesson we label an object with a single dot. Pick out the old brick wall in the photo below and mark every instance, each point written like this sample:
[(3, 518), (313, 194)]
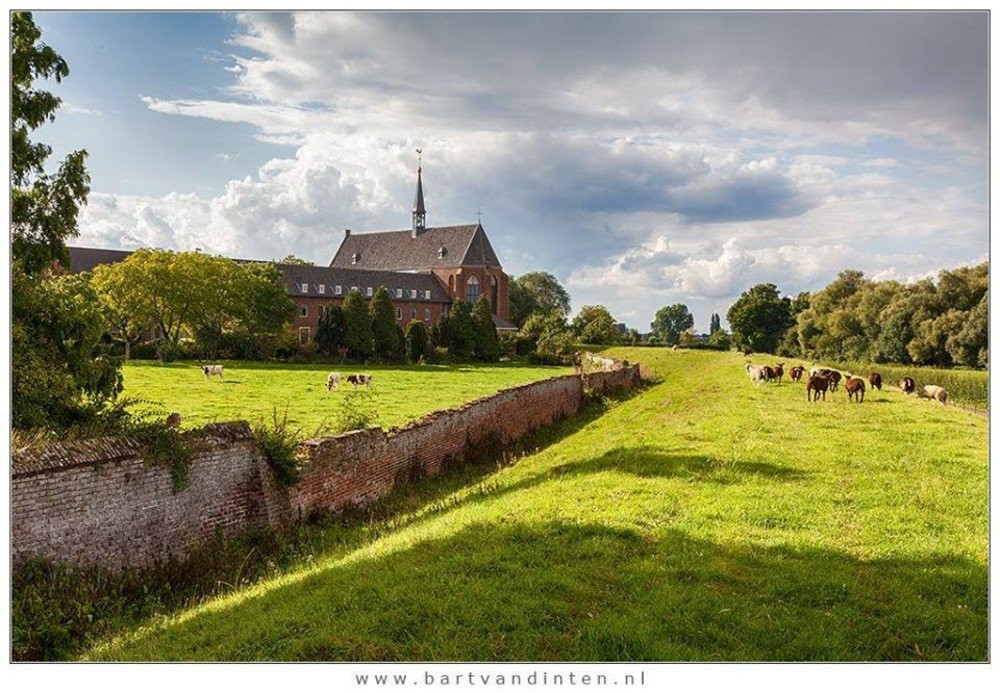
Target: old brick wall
[(99, 502), (358, 467)]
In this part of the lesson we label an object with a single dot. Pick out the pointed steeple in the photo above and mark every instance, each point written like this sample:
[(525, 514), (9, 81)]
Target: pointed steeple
[(419, 213)]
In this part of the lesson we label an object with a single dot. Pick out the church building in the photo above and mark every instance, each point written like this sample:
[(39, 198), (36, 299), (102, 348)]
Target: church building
[(425, 268)]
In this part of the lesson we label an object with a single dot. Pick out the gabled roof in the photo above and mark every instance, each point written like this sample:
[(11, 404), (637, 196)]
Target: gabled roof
[(86, 259), (426, 285), (399, 250)]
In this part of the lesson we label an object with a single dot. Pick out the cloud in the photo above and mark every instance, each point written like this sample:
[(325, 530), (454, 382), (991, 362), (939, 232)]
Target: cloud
[(641, 157)]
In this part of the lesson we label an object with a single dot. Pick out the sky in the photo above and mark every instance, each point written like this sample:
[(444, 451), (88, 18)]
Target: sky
[(644, 159)]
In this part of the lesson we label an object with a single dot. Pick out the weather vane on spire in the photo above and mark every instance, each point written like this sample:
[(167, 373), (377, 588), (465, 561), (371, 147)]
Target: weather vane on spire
[(419, 157), (479, 215)]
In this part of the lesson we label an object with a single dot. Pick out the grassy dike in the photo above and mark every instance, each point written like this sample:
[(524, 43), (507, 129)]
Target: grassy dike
[(701, 519)]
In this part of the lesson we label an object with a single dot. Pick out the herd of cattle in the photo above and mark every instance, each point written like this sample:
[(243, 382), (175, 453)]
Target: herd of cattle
[(820, 380), (332, 380)]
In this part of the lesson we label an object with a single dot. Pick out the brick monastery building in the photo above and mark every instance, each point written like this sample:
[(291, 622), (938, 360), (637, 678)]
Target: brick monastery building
[(424, 268)]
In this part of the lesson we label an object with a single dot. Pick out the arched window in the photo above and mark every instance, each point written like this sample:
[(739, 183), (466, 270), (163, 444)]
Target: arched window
[(494, 294), (471, 290)]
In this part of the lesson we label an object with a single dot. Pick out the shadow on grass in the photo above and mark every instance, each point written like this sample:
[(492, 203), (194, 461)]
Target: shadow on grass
[(590, 591)]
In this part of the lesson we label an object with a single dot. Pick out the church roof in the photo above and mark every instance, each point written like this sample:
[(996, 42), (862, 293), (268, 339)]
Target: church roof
[(436, 246), (86, 259)]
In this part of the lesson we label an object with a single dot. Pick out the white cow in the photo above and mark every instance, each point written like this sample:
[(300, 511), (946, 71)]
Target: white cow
[(212, 370), (332, 381)]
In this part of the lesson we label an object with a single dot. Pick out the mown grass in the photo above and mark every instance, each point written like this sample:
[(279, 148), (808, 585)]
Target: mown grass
[(254, 390), (702, 519)]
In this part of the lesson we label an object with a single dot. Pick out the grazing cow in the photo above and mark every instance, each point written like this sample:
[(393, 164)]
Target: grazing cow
[(757, 373), (855, 388), (332, 381), (358, 379), (212, 370), (769, 374), (795, 373), (816, 385), (933, 392), (747, 352), (908, 385), (875, 380), (779, 372)]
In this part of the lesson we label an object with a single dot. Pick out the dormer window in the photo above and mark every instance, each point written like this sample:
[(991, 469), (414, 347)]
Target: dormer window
[(355, 258), (442, 252), (413, 293), (399, 293), (427, 294), (322, 288), (369, 292), (305, 288), (337, 289)]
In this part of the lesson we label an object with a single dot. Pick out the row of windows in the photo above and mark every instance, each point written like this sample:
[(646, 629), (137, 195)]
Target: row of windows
[(338, 291), (304, 313)]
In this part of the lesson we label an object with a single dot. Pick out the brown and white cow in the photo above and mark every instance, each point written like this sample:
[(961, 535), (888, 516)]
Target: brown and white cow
[(359, 379)]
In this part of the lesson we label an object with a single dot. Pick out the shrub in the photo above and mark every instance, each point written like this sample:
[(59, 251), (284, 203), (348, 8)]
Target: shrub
[(486, 346), (416, 341), (385, 341), (279, 444), (358, 410), (358, 336), (167, 351)]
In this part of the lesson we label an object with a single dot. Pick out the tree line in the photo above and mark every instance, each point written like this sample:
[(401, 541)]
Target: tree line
[(934, 323)]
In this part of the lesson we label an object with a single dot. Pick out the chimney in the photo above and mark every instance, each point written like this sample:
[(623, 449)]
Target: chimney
[(347, 232)]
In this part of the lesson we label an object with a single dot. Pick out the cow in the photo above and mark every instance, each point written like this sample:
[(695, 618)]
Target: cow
[(875, 380), (855, 388), (908, 385), (769, 374), (748, 352), (795, 373), (933, 392), (779, 372), (212, 370), (332, 381), (816, 385), (834, 378), (358, 379)]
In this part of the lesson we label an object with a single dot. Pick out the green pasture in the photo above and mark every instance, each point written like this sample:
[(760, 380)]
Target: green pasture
[(252, 390), (702, 518)]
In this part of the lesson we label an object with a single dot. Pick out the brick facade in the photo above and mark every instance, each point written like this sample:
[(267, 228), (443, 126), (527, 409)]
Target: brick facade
[(410, 310), (99, 502)]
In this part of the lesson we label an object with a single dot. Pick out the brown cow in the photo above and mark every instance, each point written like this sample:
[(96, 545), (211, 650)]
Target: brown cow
[(875, 380), (357, 379), (795, 372), (834, 378), (768, 374), (908, 385), (814, 386), (855, 388)]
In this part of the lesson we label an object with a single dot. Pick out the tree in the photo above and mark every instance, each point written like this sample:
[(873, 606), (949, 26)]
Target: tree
[(929, 343), (595, 325), (536, 292), (487, 346), (58, 376), (759, 318), (461, 331), (670, 321), (969, 345), (715, 324), (44, 207), (385, 341), (720, 339), (126, 309), (291, 259), (330, 330), (416, 340), (262, 305), (358, 337)]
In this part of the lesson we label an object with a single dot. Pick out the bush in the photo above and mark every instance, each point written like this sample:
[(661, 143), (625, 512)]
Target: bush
[(280, 444), (416, 341), (358, 410), (167, 351)]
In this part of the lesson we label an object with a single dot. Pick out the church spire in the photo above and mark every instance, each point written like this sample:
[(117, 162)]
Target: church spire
[(419, 213)]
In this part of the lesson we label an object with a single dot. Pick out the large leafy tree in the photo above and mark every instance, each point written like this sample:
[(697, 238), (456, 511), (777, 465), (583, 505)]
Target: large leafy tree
[(536, 292), (670, 321), (970, 344), (44, 205), (58, 376), (596, 325), (385, 340), (759, 318), (487, 346)]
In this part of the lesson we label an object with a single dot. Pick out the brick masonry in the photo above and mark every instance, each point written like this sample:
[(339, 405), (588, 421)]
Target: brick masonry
[(99, 502)]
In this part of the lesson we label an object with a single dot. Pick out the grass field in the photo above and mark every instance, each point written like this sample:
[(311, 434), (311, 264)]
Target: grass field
[(701, 519), (251, 390)]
